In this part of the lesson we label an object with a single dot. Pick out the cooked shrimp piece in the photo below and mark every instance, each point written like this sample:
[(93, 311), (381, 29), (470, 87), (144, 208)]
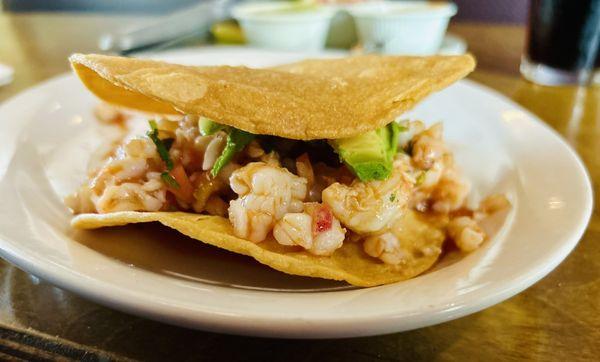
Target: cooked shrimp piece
[(428, 147), (466, 233), (131, 160), (432, 176), (127, 181), (493, 204), (187, 129), (294, 229), (450, 192), (441, 188), (131, 197), (315, 229), (386, 247), (369, 207), (81, 201), (253, 225), (408, 130), (266, 193), (258, 178), (327, 241), (327, 231)]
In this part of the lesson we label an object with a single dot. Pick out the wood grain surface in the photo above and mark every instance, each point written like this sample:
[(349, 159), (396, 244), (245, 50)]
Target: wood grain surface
[(556, 319)]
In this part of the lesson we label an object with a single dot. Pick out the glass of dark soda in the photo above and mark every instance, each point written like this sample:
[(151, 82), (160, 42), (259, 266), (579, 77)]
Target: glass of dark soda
[(596, 79), (563, 41)]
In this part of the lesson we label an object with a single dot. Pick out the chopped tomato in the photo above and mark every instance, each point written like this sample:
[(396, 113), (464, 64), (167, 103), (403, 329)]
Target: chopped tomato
[(185, 191), (323, 219)]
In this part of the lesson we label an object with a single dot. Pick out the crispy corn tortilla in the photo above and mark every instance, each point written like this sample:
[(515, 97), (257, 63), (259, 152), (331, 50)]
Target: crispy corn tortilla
[(314, 99), (349, 263)]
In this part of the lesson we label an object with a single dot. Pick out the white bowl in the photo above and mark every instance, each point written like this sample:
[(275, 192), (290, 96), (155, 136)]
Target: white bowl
[(407, 27), (284, 25)]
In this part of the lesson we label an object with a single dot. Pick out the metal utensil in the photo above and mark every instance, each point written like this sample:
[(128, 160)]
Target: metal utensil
[(182, 24)]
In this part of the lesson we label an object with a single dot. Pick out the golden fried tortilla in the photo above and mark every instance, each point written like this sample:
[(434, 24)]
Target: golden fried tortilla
[(314, 99), (348, 263)]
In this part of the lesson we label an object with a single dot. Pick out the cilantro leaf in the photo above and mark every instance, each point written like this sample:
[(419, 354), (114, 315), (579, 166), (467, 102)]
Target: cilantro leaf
[(161, 147), (169, 180), (236, 141)]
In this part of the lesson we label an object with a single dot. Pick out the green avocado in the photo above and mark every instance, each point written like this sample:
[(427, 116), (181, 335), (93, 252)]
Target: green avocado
[(370, 156)]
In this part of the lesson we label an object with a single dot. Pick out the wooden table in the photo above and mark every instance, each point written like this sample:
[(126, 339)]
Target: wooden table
[(556, 319)]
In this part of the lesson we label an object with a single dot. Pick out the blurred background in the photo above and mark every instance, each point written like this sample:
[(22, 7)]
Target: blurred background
[(506, 11), (37, 29)]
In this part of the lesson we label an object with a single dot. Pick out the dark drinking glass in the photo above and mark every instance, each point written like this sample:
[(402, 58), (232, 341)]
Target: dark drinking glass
[(563, 41), (596, 76)]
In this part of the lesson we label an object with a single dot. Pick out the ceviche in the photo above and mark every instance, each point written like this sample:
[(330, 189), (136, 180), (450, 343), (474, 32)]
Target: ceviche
[(296, 166), (310, 194)]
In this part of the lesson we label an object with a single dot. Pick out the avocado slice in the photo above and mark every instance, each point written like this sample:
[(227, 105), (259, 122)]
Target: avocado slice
[(370, 155)]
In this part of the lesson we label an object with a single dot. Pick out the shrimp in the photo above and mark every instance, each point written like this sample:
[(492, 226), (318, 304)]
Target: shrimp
[(294, 229), (369, 207), (450, 192), (127, 181), (409, 130), (131, 197), (492, 204), (328, 234), (250, 224), (428, 147), (266, 193), (466, 233), (131, 161), (441, 187), (386, 247), (315, 229)]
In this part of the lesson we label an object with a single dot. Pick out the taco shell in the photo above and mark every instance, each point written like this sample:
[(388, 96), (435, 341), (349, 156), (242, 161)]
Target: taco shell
[(349, 263), (314, 99)]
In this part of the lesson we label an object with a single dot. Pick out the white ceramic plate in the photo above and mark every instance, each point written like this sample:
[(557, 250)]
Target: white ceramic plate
[(47, 134)]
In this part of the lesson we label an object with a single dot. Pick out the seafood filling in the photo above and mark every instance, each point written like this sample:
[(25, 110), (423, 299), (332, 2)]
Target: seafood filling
[(310, 196)]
